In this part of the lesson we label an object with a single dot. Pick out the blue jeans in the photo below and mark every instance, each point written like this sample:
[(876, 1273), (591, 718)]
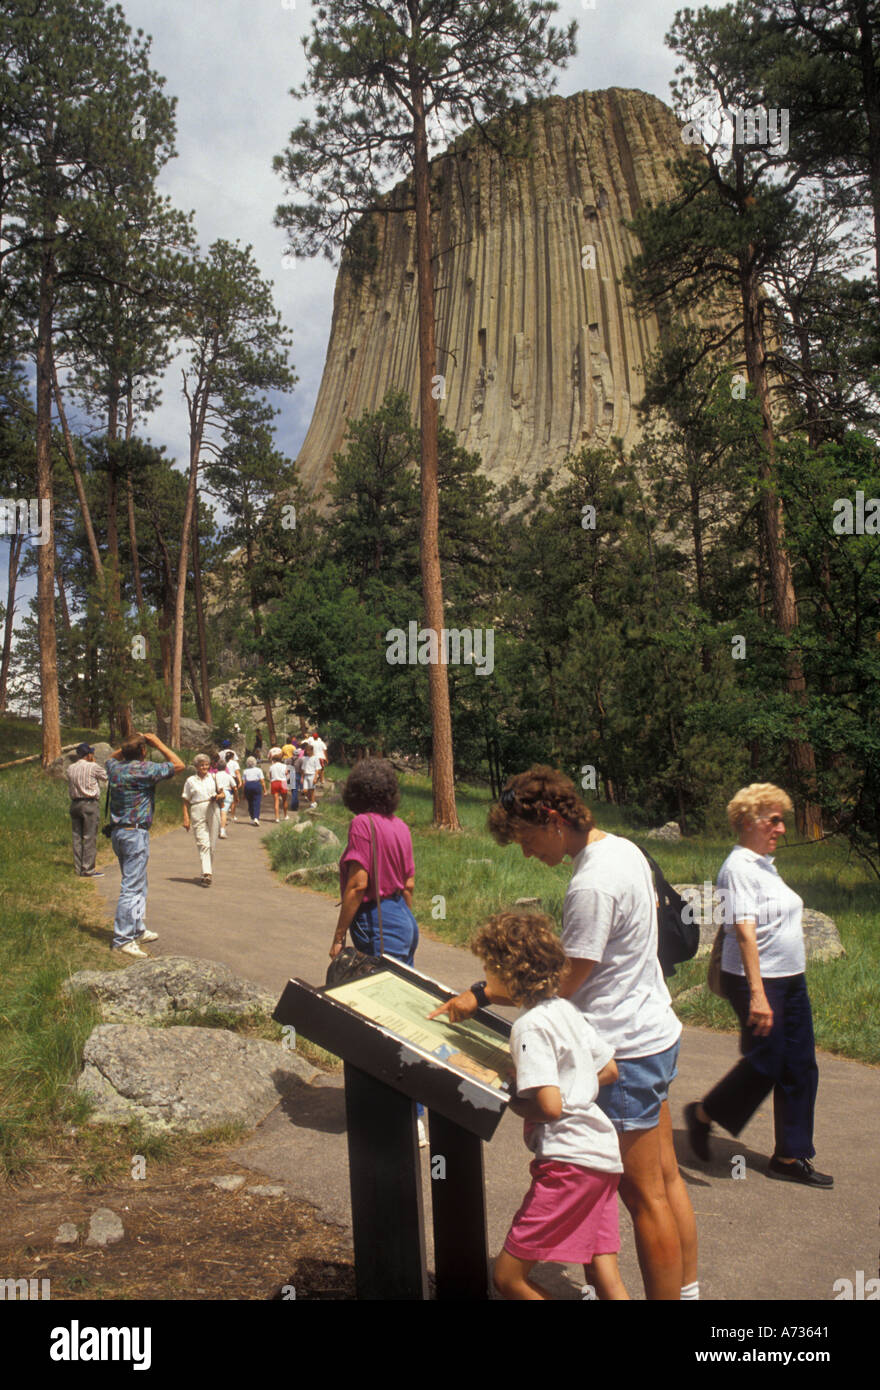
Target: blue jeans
[(132, 849), (254, 797), (400, 930)]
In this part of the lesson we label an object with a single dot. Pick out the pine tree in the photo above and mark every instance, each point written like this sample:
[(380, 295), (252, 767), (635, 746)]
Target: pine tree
[(387, 78)]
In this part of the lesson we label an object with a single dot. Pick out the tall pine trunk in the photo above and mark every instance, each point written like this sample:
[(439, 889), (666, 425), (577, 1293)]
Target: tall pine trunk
[(778, 563), (15, 543), (51, 720), (442, 778)]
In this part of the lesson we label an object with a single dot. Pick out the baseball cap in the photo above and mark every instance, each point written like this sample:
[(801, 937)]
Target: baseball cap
[(83, 748)]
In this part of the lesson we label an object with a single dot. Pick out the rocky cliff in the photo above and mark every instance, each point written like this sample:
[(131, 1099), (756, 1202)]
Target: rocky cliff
[(538, 349)]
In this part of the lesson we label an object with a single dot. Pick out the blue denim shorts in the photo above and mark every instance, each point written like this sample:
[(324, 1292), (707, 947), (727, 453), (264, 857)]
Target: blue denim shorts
[(633, 1101)]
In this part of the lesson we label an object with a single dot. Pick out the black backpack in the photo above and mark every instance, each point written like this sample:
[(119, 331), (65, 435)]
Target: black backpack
[(678, 934)]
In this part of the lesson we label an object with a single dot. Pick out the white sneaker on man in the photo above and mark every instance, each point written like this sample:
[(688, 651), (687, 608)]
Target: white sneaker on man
[(148, 936), (131, 948)]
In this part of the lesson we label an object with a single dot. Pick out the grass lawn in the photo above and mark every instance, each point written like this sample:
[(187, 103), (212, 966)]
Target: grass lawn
[(462, 879), (51, 925)]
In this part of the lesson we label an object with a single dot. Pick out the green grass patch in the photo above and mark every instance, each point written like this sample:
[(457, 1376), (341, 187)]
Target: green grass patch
[(462, 879)]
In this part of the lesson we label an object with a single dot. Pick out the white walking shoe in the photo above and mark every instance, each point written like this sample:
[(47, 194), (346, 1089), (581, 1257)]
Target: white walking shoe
[(131, 948), (148, 936), (223, 835)]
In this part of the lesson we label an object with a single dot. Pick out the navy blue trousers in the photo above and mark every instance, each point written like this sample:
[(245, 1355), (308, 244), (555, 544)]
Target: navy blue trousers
[(784, 1062)]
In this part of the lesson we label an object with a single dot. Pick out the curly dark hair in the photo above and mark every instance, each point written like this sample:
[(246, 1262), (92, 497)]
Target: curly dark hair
[(372, 786), (523, 950), (527, 799)]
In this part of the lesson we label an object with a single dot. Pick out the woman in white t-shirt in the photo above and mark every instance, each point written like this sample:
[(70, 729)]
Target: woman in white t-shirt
[(609, 934), (762, 975)]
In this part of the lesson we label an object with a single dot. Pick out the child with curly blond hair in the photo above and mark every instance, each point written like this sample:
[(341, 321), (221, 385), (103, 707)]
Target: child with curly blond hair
[(570, 1211)]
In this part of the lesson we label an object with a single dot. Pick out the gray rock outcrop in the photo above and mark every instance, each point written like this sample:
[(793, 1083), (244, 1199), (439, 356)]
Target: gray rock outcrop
[(185, 1080), (821, 937), (155, 990), (58, 768), (539, 348), (670, 831)]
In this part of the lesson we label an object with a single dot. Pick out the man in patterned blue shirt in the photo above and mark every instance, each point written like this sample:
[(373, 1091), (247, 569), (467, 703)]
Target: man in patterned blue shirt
[(132, 798)]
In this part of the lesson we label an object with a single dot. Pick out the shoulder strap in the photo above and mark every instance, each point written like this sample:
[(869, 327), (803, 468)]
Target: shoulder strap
[(376, 886)]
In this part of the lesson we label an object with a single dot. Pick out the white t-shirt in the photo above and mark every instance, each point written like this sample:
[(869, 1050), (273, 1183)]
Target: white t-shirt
[(610, 916), (553, 1045), (225, 781), (309, 767), (750, 887), (233, 766), (253, 774), (320, 748), (198, 789), (278, 772)]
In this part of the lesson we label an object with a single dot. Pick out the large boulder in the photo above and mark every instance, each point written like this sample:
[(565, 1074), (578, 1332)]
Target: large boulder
[(670, 831), (821, 937), (152, 991), (185, 1080), (58, 768)]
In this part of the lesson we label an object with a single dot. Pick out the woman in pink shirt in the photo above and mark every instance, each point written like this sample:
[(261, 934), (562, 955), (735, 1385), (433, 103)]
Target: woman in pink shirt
[(372, 793)]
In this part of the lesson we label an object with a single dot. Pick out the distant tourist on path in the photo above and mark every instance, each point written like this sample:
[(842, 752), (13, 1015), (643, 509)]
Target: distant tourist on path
[(132, 801), (201, 811), (609, 934), (84, 778), (569, 1213), (226, 784), (310, 766), (762, 975), (254, 787), (233, 767), (258, 745), (319, 748), (278, 783)]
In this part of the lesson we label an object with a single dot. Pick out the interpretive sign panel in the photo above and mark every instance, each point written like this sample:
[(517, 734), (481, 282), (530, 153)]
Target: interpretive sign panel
[(381, 1024), (402, 1007)]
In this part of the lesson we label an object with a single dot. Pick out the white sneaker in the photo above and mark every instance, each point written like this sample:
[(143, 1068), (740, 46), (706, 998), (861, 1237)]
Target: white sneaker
[(223, 835), (148, 936), (255, 822), (131, 948)]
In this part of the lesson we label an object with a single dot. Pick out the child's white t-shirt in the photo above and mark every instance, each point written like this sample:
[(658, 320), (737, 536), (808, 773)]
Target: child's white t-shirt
[(553, 1045), (278, 772)]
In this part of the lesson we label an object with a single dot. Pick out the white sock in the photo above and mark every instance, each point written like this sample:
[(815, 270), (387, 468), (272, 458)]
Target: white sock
[(691, 1292)]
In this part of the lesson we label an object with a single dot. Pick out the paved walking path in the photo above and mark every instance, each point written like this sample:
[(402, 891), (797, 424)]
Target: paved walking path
[(759, 1239)]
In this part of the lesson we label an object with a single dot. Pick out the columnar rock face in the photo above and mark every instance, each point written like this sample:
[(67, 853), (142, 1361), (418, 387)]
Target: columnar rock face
[(539, 351)]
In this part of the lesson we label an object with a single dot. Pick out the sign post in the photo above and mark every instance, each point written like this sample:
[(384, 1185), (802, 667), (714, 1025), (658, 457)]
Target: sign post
[(394, 1056)]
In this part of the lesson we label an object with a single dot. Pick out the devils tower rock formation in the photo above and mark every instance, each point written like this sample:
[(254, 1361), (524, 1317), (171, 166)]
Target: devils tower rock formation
[(539, 351)]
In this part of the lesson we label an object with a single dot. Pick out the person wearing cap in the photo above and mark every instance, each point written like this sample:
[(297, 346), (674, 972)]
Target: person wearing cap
[(84, 778)]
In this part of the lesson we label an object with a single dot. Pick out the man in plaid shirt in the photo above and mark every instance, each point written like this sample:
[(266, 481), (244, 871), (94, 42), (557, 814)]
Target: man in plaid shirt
[(132, 797)]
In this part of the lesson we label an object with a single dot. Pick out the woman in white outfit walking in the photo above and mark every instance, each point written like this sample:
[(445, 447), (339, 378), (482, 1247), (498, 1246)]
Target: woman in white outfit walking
[(202, 799)]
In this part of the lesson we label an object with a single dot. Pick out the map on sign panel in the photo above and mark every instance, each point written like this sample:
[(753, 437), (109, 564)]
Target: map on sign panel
[(402, 1008)]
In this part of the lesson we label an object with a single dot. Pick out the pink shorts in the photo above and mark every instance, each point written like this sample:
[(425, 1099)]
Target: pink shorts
[(279, 788), (569, 1214)]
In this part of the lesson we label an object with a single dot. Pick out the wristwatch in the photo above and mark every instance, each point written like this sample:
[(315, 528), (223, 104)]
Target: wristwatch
[(479, 991)]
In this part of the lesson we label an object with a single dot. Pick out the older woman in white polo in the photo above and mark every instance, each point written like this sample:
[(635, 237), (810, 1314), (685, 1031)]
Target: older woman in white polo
[(202, 799), (762, 974)]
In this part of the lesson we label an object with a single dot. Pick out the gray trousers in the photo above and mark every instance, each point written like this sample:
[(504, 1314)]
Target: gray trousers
[(85, 815)]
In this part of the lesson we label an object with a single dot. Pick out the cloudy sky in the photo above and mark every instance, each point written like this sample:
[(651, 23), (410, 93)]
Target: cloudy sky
[(231, 64)]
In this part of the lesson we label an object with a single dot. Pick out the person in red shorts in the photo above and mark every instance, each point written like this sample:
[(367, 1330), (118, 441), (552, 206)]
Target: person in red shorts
[(569, 1213)]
